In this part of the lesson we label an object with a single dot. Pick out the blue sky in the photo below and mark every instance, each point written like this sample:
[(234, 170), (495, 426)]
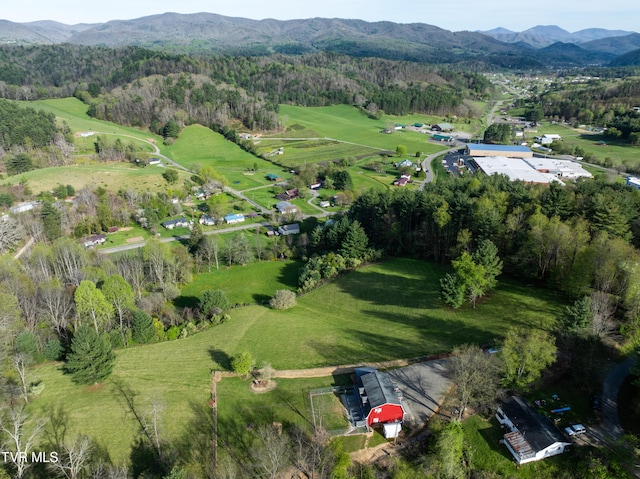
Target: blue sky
[(455, 15)]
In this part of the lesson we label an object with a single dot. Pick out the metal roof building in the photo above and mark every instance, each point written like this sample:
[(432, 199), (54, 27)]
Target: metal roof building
[(510, 151), (514, 168)]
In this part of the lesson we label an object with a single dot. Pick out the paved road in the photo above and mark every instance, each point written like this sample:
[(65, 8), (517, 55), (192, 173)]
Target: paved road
[(610, 390)]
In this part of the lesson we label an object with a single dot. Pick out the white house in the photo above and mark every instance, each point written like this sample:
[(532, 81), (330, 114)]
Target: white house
[(548, 138), (286, 230), (207, 220), (531, 436)]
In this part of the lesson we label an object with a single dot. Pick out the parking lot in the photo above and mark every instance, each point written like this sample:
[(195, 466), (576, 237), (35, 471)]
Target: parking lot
[(458, 164)]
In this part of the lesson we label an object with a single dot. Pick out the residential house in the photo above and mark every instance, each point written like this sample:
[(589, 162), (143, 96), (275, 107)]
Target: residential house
[(95, 240), (381, 400), (181, 222), (288, 195), (633, 182), (286, 208), (234, 218), (286, 230), (207, 220), (22, 207), (402, 181), (531, 436)]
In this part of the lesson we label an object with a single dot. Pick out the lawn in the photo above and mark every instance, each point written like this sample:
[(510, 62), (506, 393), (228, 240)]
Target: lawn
[(245, 284), (111, 176), (74, 113), (358, 135), (385, 311), (200, 146)]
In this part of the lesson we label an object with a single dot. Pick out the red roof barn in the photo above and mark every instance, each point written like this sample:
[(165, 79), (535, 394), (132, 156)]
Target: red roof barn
[(381, 399)]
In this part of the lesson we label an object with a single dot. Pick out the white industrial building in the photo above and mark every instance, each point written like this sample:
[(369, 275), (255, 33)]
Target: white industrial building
[(560, 168), (514, 168)]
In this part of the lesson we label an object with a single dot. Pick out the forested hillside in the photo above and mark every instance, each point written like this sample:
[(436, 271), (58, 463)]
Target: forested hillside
[(133, 86)]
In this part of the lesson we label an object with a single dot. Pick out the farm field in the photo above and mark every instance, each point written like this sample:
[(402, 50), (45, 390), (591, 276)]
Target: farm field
[(384, 311), (361, 135), (74, 113), (112, 176), (199, 146)]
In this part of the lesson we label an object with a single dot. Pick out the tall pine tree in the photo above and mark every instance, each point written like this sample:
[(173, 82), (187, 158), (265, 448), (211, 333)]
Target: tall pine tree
[(91, 359)]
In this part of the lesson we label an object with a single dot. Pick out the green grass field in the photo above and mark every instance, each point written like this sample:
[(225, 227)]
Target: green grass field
[(199, 146), (74, 113), (385, 311), (358, 135), (111, 176)]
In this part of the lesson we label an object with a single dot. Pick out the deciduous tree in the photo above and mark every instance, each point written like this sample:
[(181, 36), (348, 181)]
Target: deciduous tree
[(525, 355), (92, 306)]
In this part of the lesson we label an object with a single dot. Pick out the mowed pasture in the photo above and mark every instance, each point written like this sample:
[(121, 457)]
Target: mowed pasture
[(199, 146), (111, 176), (386, 311), (336, 132), (74, 113)]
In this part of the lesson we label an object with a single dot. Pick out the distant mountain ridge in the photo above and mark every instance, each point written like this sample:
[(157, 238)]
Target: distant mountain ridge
[(544, 35), (208, 32)]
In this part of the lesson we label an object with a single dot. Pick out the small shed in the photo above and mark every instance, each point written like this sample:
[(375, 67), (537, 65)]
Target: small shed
[(273, 177)]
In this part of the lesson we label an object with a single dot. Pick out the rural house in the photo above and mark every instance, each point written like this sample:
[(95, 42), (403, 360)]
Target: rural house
[(207, 220), (286, 208), (288, 195), (181, 222), (402, 181), (286, 230), (94, 240), (381, 400), (531, 436), (234, 218)]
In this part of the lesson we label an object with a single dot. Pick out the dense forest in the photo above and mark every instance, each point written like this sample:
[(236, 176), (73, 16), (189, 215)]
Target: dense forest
[(148, 88)]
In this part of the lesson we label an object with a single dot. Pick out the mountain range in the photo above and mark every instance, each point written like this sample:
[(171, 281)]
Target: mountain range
[(207, 32)]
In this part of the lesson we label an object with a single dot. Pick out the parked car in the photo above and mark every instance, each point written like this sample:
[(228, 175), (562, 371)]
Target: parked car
[(597, 405), (575, 430)]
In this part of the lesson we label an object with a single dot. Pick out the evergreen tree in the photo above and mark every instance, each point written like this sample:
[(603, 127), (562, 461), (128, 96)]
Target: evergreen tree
[(91, 359), (51, 220), (452, 291), (486, 255), (142, 329), (355, 243)]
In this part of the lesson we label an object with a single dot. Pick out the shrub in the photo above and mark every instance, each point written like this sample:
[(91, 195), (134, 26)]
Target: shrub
[(242, 364), (283, 299), (213, 302)]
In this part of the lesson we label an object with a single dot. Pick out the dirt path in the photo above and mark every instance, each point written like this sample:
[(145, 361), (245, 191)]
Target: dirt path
[(348, 368)]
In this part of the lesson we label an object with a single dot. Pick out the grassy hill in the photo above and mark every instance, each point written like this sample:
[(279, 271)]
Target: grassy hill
[(385, 311)]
